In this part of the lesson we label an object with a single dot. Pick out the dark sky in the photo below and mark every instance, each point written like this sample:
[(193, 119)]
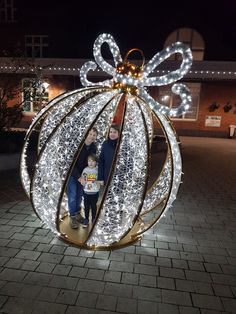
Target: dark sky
[(145, 25)]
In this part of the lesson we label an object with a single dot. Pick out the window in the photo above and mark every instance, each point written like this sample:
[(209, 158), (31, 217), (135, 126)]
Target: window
[(7, 11), (36, 45), (168, 98), (35, 95), (190, 37)]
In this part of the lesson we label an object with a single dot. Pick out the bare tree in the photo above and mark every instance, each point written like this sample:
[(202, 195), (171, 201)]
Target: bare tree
[(10, 111), (11, 104)]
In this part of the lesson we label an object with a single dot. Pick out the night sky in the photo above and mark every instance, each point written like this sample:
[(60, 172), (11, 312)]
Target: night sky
[(132, 24)]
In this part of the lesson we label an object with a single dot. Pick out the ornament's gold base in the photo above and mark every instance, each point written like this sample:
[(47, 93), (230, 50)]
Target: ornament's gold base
[(79, 236)]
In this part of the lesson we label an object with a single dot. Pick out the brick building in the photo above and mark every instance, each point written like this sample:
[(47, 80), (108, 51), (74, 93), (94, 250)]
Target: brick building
[(212, 83)]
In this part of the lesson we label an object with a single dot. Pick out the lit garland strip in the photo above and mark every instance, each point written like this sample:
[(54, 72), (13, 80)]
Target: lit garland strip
[(125, 193), (162, 56), (106, 67), (148, 119), (174, 153), (55, 161), (193, 73), (115, 51), (25, 178), (160, 189), (56, 114), (105, 120), (167, 184), (91, 66)]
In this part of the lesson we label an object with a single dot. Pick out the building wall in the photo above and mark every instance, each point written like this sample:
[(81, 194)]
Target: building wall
[(57, 86), (221, 93)]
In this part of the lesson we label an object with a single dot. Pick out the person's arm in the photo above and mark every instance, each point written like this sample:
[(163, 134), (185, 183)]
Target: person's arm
[(82, 179), (94, 149), (100, 177)]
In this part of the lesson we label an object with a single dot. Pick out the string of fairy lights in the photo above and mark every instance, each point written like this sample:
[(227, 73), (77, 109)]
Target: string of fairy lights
[(67, 70)]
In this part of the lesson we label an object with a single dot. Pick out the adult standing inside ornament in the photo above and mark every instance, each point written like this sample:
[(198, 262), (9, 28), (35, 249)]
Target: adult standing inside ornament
[(107, 154), (74, 187)]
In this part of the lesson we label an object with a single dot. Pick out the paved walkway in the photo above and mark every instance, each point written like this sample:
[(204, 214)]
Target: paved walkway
[(186, 264)]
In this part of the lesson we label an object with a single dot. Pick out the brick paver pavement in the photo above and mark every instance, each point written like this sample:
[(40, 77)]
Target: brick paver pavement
[(186, 264)]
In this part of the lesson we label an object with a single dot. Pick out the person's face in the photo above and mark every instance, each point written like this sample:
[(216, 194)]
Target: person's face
[(91, 163), (91, 137), (113, 134)]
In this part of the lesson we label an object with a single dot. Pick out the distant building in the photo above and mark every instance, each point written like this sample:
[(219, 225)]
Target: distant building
[(38, 73)]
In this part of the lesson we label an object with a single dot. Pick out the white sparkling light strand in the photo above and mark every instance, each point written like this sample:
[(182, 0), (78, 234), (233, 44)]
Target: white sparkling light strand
[(169, 78), (105, 120), (160, 188), (156, 60), (147, 116), (184, 94), (91, 66), (115, 51), (102, 125), (127, 80), (56, 114), (173, 76), (49, 106), (206, 72), (55, 161), (186, 99), (175, 153), (25, 178), (125, 192)]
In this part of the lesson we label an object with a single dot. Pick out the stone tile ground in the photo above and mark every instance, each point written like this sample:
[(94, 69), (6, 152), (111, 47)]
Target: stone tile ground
[(186, 264)]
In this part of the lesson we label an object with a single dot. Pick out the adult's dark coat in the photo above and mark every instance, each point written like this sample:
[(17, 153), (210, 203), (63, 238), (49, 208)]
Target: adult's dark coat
[(82, 160), (105, 159)]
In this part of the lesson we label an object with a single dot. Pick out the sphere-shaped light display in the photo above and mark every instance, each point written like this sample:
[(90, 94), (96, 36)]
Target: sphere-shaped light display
[(128, 206)]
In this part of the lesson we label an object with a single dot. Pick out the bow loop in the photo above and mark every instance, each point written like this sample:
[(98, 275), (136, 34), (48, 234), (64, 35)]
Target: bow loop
[(173, 76), (132, 79), (105, 66), (91, 66)]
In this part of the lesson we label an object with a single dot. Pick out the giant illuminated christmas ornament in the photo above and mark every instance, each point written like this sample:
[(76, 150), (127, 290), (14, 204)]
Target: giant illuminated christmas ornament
[(128, 205)]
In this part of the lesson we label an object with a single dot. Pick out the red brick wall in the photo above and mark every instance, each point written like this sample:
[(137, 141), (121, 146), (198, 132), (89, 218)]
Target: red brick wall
[(221, 92), (210, 92)]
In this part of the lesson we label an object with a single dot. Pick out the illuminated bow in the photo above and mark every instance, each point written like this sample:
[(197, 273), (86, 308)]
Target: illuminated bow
[(143, 80)]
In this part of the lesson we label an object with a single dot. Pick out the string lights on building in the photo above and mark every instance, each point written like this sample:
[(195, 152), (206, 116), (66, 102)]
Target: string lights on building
[(66, 70)]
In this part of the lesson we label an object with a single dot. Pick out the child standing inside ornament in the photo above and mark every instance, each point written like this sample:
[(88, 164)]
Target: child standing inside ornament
[(107, 154), (91, 188), (74, 187)]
